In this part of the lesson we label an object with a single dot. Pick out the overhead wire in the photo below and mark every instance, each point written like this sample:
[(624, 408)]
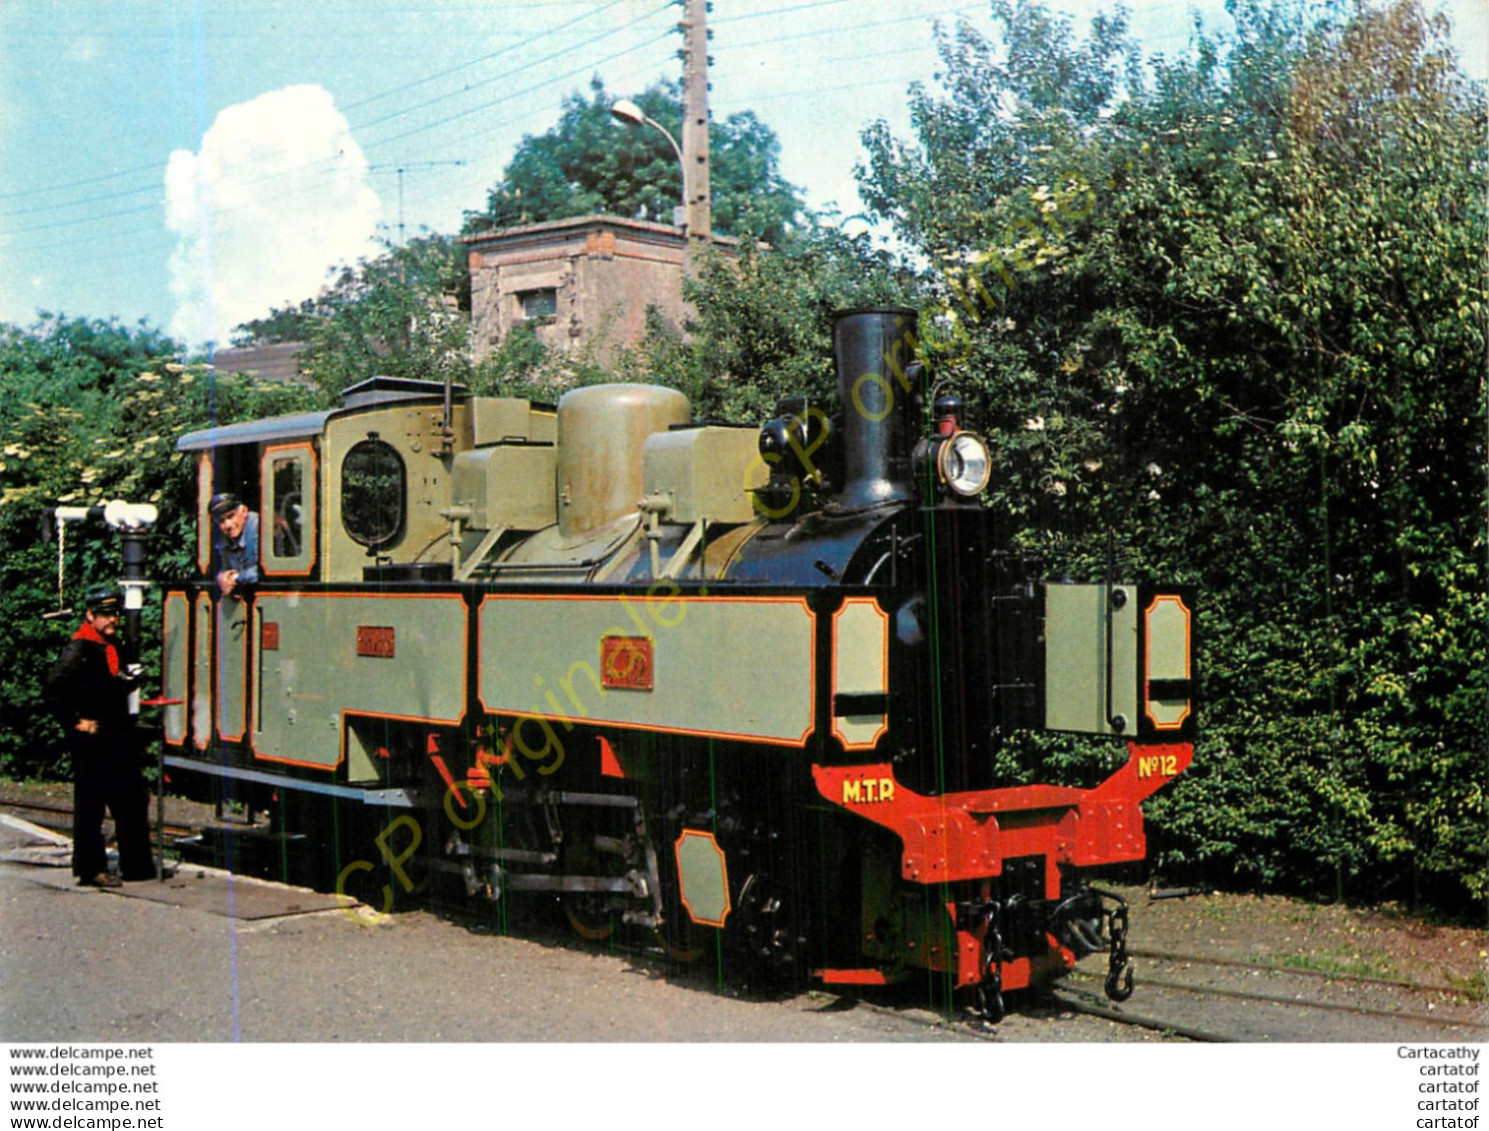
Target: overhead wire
[(366, 145), (566, 49), (529, 65), (800, 35), (589, 66), (591, 13), (788, 10), (154, 165), (427, 128), (228, 229), (880, 80), (525, 41), (818, 32), (155, 185)]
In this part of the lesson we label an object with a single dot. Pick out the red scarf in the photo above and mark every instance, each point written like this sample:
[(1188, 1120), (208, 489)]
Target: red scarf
[(89, 633)]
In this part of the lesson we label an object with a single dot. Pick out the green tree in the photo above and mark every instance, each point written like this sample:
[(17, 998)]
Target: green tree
[(762, 322), (90, 412), (404, 313), (1231, 307), (589, 163)]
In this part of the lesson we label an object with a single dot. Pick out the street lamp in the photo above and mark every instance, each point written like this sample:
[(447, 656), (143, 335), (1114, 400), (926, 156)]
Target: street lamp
[(624, 110)]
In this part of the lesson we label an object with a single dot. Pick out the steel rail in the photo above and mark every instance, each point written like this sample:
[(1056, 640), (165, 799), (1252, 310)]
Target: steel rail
[(1297, 1003), (1272, 968), (1076, 1001), (66, 811)]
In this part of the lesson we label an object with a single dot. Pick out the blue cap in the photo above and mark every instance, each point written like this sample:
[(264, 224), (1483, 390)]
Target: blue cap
[(104, 601)]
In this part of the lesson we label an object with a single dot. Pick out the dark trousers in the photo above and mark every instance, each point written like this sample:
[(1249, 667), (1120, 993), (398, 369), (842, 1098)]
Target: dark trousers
[(106, 776)]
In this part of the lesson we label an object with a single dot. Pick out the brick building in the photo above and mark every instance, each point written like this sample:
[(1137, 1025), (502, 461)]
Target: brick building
[(585, 281), (279, 361)]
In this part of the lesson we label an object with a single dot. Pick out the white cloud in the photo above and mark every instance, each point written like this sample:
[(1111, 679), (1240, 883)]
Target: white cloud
[(85, 49), (276, 196)]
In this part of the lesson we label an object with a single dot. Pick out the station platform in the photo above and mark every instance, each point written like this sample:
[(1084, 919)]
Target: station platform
[(47, 857)]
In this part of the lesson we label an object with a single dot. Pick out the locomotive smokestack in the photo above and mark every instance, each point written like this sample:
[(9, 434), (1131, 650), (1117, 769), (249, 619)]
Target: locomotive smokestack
[(874, 350)]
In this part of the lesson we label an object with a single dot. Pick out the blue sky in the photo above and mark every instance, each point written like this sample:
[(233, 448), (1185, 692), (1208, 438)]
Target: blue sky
[(194, 163)]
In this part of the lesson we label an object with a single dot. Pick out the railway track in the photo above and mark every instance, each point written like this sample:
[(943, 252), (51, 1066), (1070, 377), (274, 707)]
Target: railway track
[(60, 816), (1193, 997), (1091, 1004), (1213, 998)]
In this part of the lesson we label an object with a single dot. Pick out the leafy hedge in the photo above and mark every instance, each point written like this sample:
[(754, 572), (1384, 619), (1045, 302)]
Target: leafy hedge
[(89, 412), (1230, 309)]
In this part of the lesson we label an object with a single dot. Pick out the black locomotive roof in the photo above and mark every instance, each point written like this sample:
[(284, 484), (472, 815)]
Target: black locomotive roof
[(298, 427), (384, 390), (373, 392)]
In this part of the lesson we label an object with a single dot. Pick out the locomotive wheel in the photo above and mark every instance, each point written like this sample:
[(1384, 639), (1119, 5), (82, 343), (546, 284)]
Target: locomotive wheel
[(679, 936), (767, 946), (588, 921), (592, 915)]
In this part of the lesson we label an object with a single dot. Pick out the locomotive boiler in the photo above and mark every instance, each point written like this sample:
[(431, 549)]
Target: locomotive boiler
[(740, 689)]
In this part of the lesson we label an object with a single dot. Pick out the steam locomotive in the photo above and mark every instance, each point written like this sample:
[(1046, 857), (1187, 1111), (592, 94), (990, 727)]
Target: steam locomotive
[(741, 689)]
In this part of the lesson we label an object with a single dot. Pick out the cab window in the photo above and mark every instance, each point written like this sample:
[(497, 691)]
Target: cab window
[(234, 468), (373, 492), (287, 521), (289, 514)]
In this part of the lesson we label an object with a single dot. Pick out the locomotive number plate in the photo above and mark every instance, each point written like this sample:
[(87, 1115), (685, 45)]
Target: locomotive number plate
[(1160, 765), (375, 640), (626, 662)]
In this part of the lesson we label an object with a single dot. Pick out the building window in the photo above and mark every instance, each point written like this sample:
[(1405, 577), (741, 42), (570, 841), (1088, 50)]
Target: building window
[(373, 485), (539, 304)]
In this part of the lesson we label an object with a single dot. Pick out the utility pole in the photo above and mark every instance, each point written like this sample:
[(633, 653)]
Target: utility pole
[(695, 121), (408, 167)]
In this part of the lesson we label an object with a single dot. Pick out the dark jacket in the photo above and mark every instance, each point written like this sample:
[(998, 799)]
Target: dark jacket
[(82, 684)]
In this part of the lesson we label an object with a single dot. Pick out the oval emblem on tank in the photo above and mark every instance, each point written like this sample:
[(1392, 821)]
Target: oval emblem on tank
[(626, 662)]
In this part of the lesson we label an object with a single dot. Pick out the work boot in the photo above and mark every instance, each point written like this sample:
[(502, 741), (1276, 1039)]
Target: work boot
[(102, 880)]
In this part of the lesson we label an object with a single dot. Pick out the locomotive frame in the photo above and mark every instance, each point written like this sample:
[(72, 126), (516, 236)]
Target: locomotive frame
[(741, 691)]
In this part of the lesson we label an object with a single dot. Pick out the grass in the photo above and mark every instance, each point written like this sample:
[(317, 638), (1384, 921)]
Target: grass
[(1470, 987), (1342, 961)]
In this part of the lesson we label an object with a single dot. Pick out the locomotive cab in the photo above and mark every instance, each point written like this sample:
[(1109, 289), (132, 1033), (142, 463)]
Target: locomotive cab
[(400, 474)]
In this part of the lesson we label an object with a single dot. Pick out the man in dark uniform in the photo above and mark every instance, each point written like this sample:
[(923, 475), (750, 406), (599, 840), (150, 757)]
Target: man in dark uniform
[(88, 689), (237, 544)]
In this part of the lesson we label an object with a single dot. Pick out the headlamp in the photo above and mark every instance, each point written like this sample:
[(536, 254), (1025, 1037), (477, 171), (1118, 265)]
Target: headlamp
[(964, 464)]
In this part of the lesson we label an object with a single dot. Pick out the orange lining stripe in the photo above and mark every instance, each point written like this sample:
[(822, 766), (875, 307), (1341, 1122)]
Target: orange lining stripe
[(345, 712), (204, 622), (266, 484), (723, 870), (247, 645), (883, 672), (616, 597), (1148, 661), (165, 631), (203, 518)]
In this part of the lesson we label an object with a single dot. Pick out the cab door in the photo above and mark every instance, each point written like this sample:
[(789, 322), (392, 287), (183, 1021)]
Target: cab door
[(287, 523), (231, 637), (287, 551)]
